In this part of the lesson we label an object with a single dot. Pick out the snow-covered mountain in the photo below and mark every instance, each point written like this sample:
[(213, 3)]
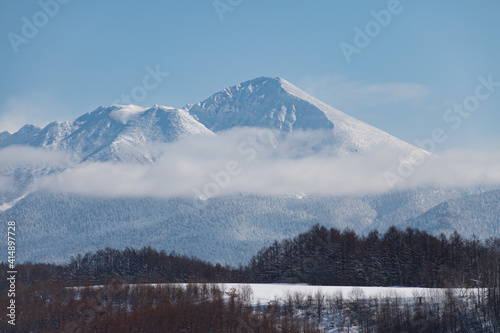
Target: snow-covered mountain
[(114, 133), (277, 104), (229, 230), (119, 133), (230, 227), (477, 214), (131, 133), (4, 135), (21, 137)]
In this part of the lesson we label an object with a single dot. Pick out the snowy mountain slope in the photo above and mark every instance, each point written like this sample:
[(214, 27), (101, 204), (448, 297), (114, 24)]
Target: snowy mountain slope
[(277, 104), (154, 125), (477, 214), (233, 227), (130, 133), (4, 135), (21, 137), (117, 133), (393, 208), (229, 229)]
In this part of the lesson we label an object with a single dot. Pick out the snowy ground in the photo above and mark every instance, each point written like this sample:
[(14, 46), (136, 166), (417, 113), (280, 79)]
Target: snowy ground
[(264, 293), (331, 319)]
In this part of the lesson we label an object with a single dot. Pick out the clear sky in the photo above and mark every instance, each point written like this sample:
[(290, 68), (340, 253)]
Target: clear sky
[(59, 60)]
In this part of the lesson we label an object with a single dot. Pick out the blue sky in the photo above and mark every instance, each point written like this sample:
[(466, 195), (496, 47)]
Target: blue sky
[(420, 62)]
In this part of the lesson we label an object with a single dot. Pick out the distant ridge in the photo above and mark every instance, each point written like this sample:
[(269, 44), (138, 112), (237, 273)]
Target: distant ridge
[(120, 132)]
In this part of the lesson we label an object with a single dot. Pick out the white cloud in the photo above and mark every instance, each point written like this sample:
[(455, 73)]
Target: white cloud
[(230, 164), (339, 92), (19, 165), (14, 156), (459, 167)]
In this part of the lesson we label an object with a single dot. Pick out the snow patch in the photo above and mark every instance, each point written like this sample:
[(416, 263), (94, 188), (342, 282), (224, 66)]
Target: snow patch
[(9, 205), (124, 112)]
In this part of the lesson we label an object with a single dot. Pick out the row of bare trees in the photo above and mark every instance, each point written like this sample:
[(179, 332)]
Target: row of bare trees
[(52, 307), (115, 307)]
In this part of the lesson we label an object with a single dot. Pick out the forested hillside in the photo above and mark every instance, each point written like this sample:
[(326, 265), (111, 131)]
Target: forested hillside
[(396, 258), (56, 226)]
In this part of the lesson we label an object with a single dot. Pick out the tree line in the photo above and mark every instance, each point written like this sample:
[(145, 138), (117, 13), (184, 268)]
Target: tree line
[(49, 306), (411, 257), (126, 266), (319, 256)]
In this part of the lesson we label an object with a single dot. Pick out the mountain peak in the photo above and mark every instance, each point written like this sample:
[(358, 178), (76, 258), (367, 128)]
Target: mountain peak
[(123, 113), (4, 135), (277, 104), (117, 133), (265, 102), (262, 102), (21, 137), (264, 82)]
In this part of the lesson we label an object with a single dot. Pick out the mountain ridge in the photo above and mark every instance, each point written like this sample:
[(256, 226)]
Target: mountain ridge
[(110, 133), (276, 104)]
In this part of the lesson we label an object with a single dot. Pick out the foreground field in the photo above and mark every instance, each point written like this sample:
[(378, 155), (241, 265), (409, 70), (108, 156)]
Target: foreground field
[(232, 307), (264, 293)]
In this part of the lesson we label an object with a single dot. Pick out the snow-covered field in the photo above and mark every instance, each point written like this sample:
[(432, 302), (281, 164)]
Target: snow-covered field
[(263, 293), (335, 309)]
